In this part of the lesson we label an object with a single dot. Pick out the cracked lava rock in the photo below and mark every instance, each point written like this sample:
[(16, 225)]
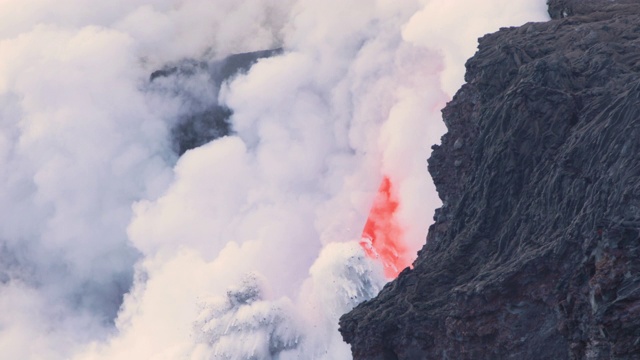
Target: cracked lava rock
[(535, 253)]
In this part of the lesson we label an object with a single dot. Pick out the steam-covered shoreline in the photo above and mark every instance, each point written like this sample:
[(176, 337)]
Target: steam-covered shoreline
[(110, 241)]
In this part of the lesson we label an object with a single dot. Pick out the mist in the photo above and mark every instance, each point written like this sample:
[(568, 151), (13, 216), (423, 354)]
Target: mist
[(115, 244)]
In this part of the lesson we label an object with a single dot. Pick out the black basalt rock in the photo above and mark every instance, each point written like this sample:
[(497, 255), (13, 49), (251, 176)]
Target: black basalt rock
[(535, 253), (564, 8)]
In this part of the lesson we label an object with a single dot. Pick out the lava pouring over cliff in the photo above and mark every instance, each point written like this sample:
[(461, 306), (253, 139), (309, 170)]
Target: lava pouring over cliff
[(382, 237)]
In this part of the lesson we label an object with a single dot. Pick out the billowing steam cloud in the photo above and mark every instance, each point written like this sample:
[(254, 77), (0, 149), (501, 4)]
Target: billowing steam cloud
[(116, 243)]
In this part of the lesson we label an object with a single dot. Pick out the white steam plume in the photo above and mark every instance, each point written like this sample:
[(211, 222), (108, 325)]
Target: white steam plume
[(113, 247)]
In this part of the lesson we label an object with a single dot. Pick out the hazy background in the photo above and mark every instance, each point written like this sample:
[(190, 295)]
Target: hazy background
[(113, 247)]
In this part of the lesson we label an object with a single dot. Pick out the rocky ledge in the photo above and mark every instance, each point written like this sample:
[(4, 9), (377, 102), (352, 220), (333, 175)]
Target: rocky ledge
[(535, 253)]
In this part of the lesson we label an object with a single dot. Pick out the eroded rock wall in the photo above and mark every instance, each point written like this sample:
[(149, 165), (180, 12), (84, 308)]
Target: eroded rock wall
[(536, 251)]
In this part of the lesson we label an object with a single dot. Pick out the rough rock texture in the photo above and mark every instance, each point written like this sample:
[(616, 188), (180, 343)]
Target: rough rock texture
[(564, 8), (535, 253)]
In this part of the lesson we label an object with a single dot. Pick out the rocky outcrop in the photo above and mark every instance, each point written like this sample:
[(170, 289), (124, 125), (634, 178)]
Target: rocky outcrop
[(563, 8), (535, 253)]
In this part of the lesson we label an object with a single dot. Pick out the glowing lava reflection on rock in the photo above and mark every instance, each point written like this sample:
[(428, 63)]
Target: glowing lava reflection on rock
[(382, 237)]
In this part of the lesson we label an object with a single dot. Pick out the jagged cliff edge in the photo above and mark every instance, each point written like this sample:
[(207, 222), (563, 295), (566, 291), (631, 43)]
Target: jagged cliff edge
[(535, 253)]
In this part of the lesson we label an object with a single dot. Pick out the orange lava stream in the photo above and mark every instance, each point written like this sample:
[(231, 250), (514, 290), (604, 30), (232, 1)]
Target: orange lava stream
[(382, 237)]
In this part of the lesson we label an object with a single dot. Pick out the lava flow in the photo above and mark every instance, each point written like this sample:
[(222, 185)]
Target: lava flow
[(382, 237)]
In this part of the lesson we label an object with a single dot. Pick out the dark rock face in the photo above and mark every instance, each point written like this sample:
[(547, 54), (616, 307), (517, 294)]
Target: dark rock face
[(564, 8), (204, 119), (535, 253)]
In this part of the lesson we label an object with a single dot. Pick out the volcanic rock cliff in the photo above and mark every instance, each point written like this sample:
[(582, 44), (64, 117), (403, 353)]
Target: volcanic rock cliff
[(535, 253)]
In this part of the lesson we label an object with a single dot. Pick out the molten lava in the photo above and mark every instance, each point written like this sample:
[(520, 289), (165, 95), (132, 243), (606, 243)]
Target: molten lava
[(382, 237)]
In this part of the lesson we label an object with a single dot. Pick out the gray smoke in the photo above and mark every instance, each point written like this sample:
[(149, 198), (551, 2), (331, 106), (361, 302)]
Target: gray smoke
[(245, 325), (146, 170)]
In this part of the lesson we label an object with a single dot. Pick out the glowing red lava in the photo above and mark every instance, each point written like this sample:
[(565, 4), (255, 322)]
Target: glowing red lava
[(382, 237)]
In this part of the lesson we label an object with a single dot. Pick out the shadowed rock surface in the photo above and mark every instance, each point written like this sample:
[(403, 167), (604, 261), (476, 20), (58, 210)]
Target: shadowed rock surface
[(204, 119), (565, 8), (535, 253)]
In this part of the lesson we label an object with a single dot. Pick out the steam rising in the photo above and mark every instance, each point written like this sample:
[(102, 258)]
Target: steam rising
[(245, 326), (115, 245)]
